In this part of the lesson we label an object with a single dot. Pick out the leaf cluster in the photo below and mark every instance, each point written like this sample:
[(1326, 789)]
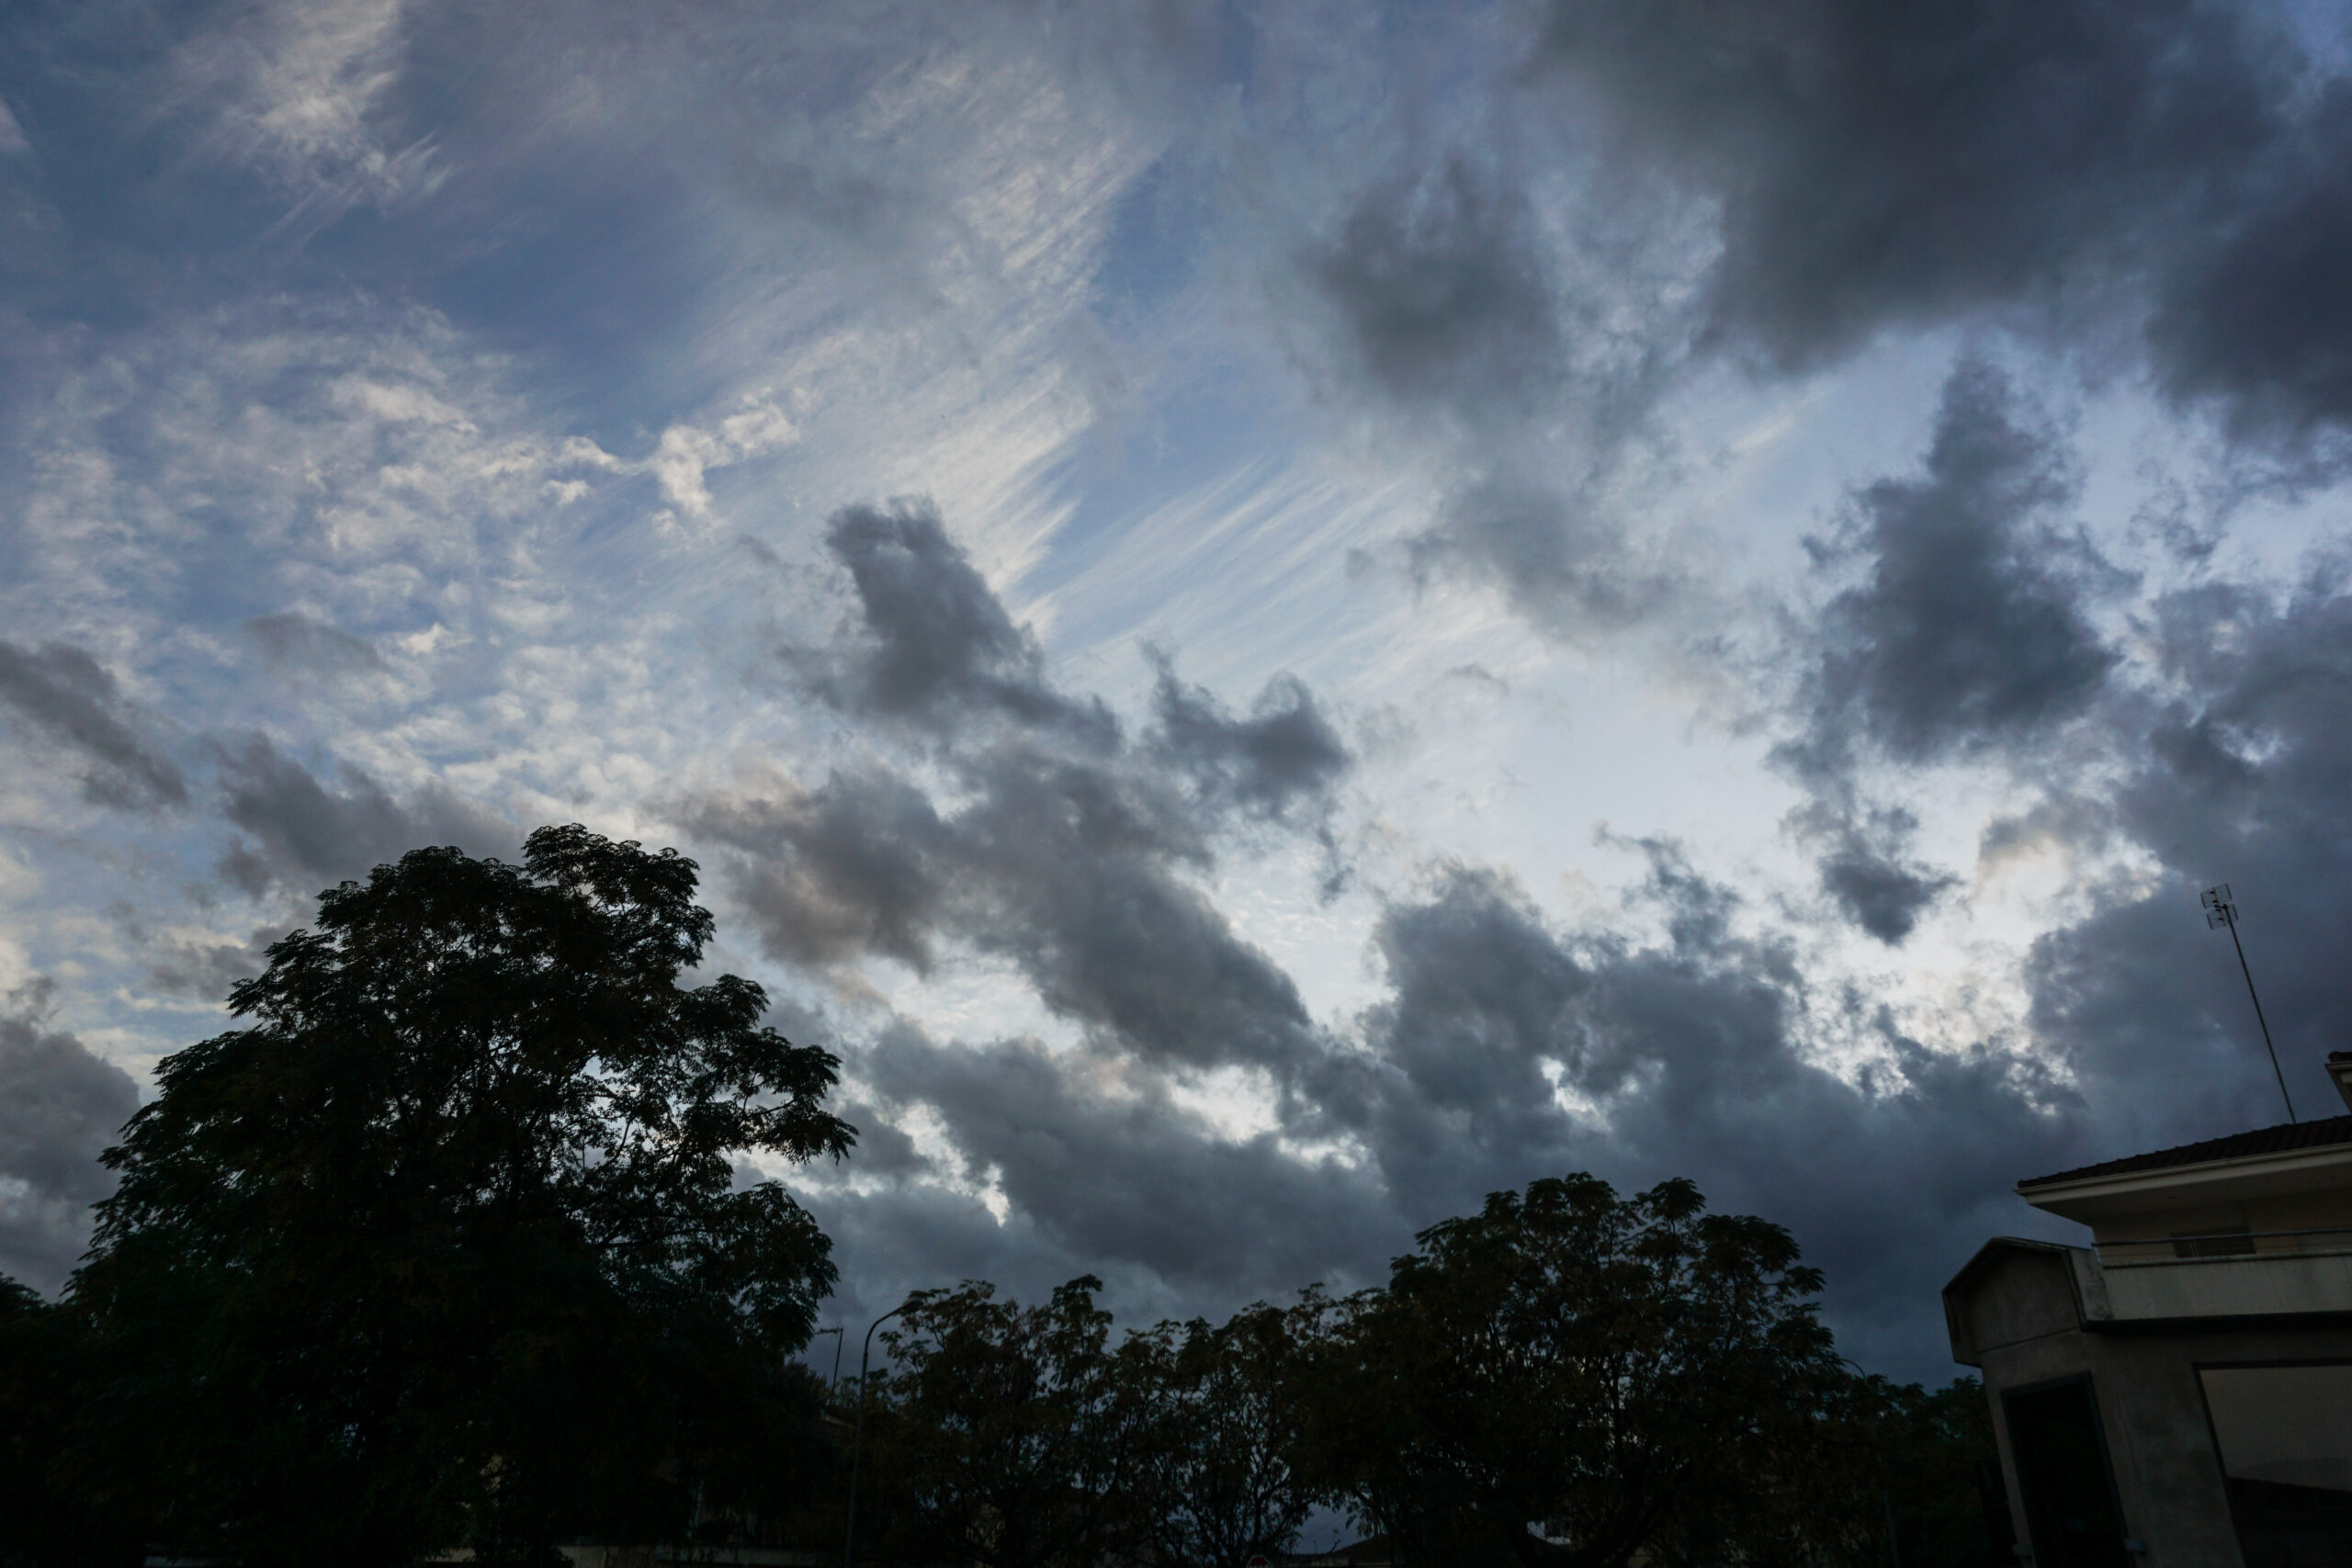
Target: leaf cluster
[(450, 1235)]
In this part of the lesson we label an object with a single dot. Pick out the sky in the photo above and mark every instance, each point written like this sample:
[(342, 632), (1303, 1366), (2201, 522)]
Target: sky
[(1267, 616)]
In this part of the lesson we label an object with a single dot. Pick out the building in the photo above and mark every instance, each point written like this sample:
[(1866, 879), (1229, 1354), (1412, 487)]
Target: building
[(2177, 1394)]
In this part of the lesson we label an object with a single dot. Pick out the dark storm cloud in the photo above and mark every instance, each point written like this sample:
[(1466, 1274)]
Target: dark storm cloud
[(860, 865), (60, 1105), (2258, 314), (69, 697), (298, 829), (1879, 165), (2240, 777), (1068, 866), (1882, 895), (1280, 764), (1440, 287), (1687, 1054), (1081, 889), (1481, 997), (1968, 635), (1128, 1176), (1061, 847), (1864, 859), (1505, 1049), (1435, 297), (1682, 1057), (1969, 630), (937, 648), (1883, 162)]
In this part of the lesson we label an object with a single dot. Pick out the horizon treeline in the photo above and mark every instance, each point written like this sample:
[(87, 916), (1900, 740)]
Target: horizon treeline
[(443, 1250), (1567, 1378)]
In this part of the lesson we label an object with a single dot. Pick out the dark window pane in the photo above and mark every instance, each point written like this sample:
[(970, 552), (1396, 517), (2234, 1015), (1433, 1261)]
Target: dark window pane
[(2285, 1437)]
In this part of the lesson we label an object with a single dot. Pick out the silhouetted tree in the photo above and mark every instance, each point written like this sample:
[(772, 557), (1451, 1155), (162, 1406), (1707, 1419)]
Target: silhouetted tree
[(446, 1247), (1010, 1435), (1568, 1378), (1217, 1481), (58, 1495)]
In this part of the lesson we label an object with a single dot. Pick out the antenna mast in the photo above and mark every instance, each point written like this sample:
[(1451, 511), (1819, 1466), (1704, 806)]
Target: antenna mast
[(2220, 911)]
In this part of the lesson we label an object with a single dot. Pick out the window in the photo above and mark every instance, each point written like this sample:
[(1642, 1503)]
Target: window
[(2285, 1436), (2235, 1243)]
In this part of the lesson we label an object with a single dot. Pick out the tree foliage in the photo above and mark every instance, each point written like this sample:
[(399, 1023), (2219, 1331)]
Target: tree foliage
[(1008, 1436), (1567, 1379), (447, 1244), (1571, 1378), (1219, 1480)]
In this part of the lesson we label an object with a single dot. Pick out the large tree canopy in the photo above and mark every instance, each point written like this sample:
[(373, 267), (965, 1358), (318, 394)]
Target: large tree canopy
[(1568, 1379), (448, 1244)]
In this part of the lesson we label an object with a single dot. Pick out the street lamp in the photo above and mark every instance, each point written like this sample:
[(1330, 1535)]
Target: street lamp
[(857, 1431)]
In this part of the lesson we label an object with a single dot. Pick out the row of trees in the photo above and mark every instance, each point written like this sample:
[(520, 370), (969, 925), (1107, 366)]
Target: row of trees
[(447, 1248), (1568, 1378)]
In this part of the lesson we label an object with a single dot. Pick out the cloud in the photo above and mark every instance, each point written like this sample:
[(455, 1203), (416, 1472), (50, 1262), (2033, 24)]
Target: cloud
[(1873, 167), (1699, 1054), (294, 643), (1280, 764), (1069, 866), (1130, 1176), (860, 865), (297, 92), (1883, 896), (2254, 314), (1059, 845), (1969, 630), (296, 828), (685, 455), (2239, 777), (66, 695), (1515, 366), (1440, 287), (1563, 560), (60, 1105), (1507, 1048), (936, 648)]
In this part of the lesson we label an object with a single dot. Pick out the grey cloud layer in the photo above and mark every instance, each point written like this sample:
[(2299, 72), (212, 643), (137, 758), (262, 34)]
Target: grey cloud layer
[(1066, 848), (297, 829), (1967, 636), (59, 1106), (1505, 1047), (1880, 164), (2242, 779), (1969, 630), (62, 693)]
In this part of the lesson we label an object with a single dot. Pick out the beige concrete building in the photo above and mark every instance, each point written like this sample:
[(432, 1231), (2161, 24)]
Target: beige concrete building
[(2177, 1394)]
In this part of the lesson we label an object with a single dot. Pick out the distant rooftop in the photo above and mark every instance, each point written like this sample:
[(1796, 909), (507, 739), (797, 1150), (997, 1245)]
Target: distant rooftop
[(2279, 1140)]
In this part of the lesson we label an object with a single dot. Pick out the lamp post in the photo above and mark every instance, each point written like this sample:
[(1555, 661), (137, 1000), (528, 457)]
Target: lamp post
[(857, 1431), (836, 1331)]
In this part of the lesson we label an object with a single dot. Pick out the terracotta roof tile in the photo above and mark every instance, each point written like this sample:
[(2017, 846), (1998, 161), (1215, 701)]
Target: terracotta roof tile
[(2261, 1141)]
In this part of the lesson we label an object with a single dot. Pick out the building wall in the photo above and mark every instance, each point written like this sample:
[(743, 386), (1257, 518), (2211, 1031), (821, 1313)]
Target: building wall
[(2024, 1319)]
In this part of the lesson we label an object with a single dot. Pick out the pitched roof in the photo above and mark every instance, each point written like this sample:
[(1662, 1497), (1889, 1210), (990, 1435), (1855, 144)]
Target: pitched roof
[(2276, 1139)]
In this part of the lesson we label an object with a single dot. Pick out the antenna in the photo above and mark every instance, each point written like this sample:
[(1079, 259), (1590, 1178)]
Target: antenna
[(2220, 911)]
